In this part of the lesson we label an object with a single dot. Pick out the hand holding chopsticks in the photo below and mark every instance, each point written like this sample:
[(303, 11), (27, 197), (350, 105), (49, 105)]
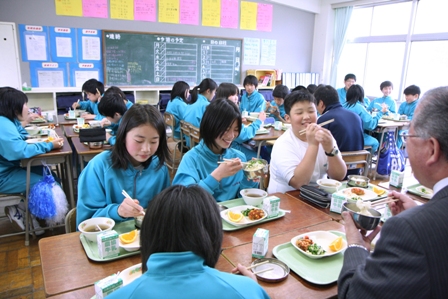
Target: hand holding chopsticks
[(384, 201), (132, 202), (256, 265), (301, 132)]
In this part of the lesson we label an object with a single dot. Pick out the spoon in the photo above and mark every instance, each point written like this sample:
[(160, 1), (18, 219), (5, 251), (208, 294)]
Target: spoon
[(98, 227), (222, 208)]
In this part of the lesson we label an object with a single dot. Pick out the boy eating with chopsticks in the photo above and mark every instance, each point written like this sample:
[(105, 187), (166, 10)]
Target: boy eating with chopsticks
[(306, 152)]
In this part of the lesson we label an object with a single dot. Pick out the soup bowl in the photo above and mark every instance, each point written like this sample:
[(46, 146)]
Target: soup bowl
[(362, 221), (358, 181), (255, 168), (329, 185), (253, 197), (89, 227), (33, 130)]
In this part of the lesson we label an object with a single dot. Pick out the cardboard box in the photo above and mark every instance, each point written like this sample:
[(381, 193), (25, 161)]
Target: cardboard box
[(107, 285), (108, 244), (337, 201), (396, 178), (260, 243), (271, 205)]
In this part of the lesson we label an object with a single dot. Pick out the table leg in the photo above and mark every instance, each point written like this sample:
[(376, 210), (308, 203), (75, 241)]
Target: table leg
[(69, 173), (260, 144)]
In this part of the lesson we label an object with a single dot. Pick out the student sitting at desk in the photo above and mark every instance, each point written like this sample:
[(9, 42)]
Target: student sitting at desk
[(412, 95), (114, 90), (94, 90), (113, 108), (355, 97), (306, 152), (252, 100), (181, 240), (349, 80), (277, 108), (230, 91), (13, 148), (386, 88), (135, 164), (212, 164), (177, 105)]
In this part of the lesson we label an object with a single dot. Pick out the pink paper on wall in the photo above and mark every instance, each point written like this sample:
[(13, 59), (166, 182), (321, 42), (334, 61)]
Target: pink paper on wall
[(95, 8), (189, 12), (229, 13), (145, 10), (264, 17)]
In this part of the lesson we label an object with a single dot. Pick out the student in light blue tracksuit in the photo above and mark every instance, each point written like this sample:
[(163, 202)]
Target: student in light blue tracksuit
[(355, 96), (386, 100), (219, 127), (135, 164), (252, 100), (177, 105), (181, 239), (201, 96), (412, 95), (94, 89), (113, 108)]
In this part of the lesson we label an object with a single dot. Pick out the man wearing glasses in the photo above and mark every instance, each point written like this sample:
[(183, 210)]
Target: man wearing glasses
[(410, 259)]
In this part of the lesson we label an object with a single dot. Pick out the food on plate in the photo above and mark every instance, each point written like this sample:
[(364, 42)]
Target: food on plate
[(51, 126), (336, 245), (378, 191), (84, 126), (254, 165), (234, 217), (128, 237), (364, 207), (256, 214), (424, 190), (358, 191), (49, 139), (307, 245)]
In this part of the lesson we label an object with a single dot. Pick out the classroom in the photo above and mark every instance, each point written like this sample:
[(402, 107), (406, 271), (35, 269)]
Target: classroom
[(270, 135)]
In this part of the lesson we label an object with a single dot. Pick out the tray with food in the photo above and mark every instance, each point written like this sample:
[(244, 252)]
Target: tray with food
[(238, 206), (76, 128), (421, 190), (262, 131), (322, 270)]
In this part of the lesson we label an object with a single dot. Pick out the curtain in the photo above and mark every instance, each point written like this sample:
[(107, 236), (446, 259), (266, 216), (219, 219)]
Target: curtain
[(341, 20)]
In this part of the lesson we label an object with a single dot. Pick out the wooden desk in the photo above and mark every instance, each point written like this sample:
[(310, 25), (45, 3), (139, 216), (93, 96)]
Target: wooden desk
[(60, 156), (296, 195), (294, 286), (302, 215), (67, 271), (85, 153), (68, 131), (63, 121), (261, 139)]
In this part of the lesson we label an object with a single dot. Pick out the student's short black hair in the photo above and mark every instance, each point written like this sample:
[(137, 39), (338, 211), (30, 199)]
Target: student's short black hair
[(355, 94), (299, 88), (386, 84), (218, 117), (311, 88), (205, 85), (179, 219), (327, 94), (350, 76), (280, 91), (11, 102), (225, 90), (250, 80), (117, 90), (92, 85), (412, 90), (136, 116), (110, 104), (179, 89), (298, 97)]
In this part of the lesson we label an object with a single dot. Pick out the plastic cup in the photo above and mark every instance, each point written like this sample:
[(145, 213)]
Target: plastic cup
[(80, 121), (71, 113)]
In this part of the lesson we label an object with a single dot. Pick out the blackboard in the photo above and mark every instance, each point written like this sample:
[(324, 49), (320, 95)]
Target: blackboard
[(137, 58)]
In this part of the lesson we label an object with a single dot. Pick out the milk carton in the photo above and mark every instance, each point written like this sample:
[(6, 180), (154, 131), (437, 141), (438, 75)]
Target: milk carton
[(396, 178), (278, 125), (337, 201), (260, 243), (108, 244), (271, 205), (107, 285)]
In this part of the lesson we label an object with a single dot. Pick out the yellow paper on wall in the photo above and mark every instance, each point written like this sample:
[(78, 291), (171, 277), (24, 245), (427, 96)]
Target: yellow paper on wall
[(169, 11), (68, 7), (211, 13), (122, 9), (248, 18)]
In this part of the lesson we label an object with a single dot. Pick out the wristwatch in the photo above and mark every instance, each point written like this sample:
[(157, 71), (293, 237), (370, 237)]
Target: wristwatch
[(333, 152)]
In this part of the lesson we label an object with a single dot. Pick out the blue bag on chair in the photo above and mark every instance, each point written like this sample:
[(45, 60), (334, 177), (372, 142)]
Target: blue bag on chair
[(390, 157)]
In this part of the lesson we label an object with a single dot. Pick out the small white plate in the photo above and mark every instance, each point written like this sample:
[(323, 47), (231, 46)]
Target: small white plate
[(251, 118), (262, 131), (424, 190), (323, 239), (368, 194), (134, 246), (35, 140), (245, 220), (128, 275)]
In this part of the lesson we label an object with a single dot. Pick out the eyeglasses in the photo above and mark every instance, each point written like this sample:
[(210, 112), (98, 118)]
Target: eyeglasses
[(406, 136)]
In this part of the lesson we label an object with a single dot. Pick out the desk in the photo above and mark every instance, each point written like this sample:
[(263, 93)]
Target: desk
[(302, 215), (294, 286), (67, 271), (68, 131), (260, 139), (383, 127), (58, 156), (85, 153)]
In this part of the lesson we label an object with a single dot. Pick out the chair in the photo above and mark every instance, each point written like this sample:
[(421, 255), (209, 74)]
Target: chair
[(185, 129), (70, 221), (264, 181), (173, 146), (195, 135), (357, 159)]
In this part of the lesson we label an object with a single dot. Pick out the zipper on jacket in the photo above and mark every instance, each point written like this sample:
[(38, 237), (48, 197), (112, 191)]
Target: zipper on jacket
[(139, 173)]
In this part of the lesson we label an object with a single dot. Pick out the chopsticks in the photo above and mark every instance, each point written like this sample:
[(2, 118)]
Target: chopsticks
[(256, 265), (128, 196), (301, 132), (264, 270), (384, 201), (229, 160)]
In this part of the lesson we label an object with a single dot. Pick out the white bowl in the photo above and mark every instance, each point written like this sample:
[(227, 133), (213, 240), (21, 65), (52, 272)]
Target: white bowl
[(133, 246), (33, 130), (329, 185), (109, 131), (95, 123), (105, 223), (128, 275), (255, 114), (253, 197)]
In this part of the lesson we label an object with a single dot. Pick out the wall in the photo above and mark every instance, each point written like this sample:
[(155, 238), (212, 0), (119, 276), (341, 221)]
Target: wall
[(292, 28)]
